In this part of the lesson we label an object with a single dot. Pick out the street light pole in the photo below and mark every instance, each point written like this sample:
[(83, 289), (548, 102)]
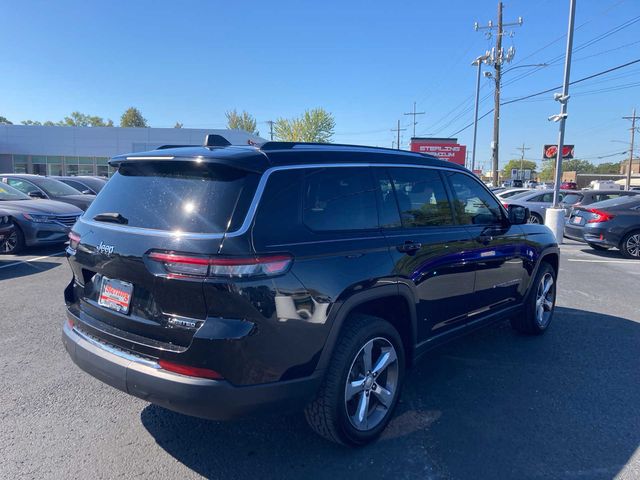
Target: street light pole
[(478, 61), (564, 99)]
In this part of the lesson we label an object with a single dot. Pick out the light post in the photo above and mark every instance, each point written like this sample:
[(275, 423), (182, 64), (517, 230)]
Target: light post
[(477, 62)]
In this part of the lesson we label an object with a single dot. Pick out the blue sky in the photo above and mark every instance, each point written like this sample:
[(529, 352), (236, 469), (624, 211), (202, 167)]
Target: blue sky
[(366, 62)]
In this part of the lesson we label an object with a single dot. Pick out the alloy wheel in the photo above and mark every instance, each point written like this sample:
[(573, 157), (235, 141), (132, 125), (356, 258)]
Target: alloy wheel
[(372, 384), (534, 219), (545, 298), (8, 245), (632, 245)]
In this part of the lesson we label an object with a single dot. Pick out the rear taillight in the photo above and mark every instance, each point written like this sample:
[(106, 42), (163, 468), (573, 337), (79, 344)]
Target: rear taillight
[(200, 266), (189, 370), (74, 240), (600, 216)]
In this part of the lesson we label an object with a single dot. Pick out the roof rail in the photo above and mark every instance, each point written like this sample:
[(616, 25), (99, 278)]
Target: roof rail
[(214, 140), (290, 145)]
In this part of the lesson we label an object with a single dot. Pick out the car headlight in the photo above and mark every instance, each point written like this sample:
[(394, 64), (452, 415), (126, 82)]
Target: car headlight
[(37, 218)]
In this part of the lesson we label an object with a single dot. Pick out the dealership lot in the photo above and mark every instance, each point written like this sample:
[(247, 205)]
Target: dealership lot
[(491, 405)]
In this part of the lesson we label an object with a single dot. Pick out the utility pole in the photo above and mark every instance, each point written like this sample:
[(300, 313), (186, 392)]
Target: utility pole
[(398, 130), (270, 122), (522, 150), (414, 113), (633, 118), (498, 56)]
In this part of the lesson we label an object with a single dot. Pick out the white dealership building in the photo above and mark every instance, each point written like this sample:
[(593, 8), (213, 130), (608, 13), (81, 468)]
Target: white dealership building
[(86, 150)]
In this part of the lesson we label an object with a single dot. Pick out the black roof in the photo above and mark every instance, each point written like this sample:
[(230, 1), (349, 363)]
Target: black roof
[(270, 154)]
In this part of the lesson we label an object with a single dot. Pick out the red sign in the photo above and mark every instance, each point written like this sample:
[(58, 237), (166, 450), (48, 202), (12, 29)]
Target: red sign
[(451, 152), (551, 151)]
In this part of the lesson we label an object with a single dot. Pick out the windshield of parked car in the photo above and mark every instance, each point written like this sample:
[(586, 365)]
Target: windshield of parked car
[(55, 188), (572, 198), (8, 193), (628, 201)]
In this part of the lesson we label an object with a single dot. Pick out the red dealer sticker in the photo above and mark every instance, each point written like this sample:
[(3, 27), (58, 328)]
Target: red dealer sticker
[(115, 294)]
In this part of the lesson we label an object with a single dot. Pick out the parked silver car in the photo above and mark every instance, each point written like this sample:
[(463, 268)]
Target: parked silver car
[(510, 192), (537, 201)]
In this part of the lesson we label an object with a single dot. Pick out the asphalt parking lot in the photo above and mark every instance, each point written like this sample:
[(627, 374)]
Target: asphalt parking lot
[(494, 404)]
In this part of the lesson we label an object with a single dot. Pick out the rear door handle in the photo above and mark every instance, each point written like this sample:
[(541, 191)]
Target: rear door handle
[(409, 247)]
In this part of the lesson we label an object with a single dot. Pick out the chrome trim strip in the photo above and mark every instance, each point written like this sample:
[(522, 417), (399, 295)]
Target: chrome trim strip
[(152, 158), (253, 207), (114, 351)]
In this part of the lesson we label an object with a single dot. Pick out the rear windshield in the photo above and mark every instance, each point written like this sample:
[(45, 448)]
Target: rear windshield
[(571, 198), (177, 196), (629, 201)]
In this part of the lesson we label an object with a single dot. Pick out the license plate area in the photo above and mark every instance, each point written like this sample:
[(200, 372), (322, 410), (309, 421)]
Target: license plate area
[(577, 219), (115, 295)]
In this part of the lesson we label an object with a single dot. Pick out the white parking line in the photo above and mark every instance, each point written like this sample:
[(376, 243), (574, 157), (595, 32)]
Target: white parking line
[(31, 260), (601, 261)]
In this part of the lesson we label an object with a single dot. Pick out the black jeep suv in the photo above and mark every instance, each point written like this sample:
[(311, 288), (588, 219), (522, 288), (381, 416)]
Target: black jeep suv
[(223, 281)]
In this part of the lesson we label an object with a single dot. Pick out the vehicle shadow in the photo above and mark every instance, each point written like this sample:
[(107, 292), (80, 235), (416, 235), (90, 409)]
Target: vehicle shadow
[(494, 404), (612, 253), (24, 269)]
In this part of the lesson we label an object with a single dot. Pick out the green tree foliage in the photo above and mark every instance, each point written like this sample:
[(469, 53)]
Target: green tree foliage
[(5, 121), (579, 166), (511, 164), (243, 121), (133, 118), (608, 168), (76, 119), (315, 125), (178, 125)]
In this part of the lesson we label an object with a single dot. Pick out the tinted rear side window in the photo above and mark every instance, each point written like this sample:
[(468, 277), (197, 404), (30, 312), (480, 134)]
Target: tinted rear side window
[(420, 196), (340, 198), (176, 196)]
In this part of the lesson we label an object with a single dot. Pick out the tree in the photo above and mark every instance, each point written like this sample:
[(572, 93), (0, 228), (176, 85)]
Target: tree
[(5, 121), (30, 122), (243, 121), (77, 119), (515, 164), (577, 165), (315, 125), (608, 168), (178, 125), (133, 118)]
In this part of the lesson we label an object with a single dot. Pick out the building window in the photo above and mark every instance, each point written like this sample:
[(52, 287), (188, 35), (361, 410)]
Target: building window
[(86, 166), (20, 163)]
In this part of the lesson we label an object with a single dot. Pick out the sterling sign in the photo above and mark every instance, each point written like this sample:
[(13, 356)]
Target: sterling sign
[(444, 149)]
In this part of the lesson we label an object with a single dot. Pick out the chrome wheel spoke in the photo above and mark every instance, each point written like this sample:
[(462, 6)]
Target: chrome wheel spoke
[(384, 395), (387, 358), (353, 388), (362, 411), (367, 354), (547, 304)]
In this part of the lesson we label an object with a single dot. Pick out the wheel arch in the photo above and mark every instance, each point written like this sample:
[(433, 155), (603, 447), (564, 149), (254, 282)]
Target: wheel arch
[(393, 303)]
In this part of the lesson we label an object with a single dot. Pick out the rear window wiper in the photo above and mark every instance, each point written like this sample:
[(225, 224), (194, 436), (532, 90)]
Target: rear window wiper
[(111, 217)]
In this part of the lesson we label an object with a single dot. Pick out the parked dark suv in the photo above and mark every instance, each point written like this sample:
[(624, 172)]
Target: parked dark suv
[(223, 281)]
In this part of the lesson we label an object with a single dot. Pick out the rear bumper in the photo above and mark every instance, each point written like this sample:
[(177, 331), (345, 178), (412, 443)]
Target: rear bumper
[(212, 399), (573, 232)]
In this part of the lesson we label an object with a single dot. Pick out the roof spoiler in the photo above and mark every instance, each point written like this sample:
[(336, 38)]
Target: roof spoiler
[(214, 140)]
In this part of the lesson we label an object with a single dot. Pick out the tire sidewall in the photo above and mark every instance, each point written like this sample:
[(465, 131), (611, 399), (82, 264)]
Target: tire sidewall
[(19, 242), (379, 328)]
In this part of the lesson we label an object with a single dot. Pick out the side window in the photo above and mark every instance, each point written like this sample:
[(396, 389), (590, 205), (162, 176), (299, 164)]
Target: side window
[(420, 196), (76, 185), (388, 207), (473, 204), (24, 187), (339, 198), (279, 208)]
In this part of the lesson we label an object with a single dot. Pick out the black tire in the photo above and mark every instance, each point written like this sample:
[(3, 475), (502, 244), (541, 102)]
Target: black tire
[(535, 218), (529, 321), (629, 245), (14, 243), (328, 413)]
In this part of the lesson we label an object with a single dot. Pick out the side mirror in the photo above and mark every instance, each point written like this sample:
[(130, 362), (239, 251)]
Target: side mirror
[(518, 214), (36, 194)]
